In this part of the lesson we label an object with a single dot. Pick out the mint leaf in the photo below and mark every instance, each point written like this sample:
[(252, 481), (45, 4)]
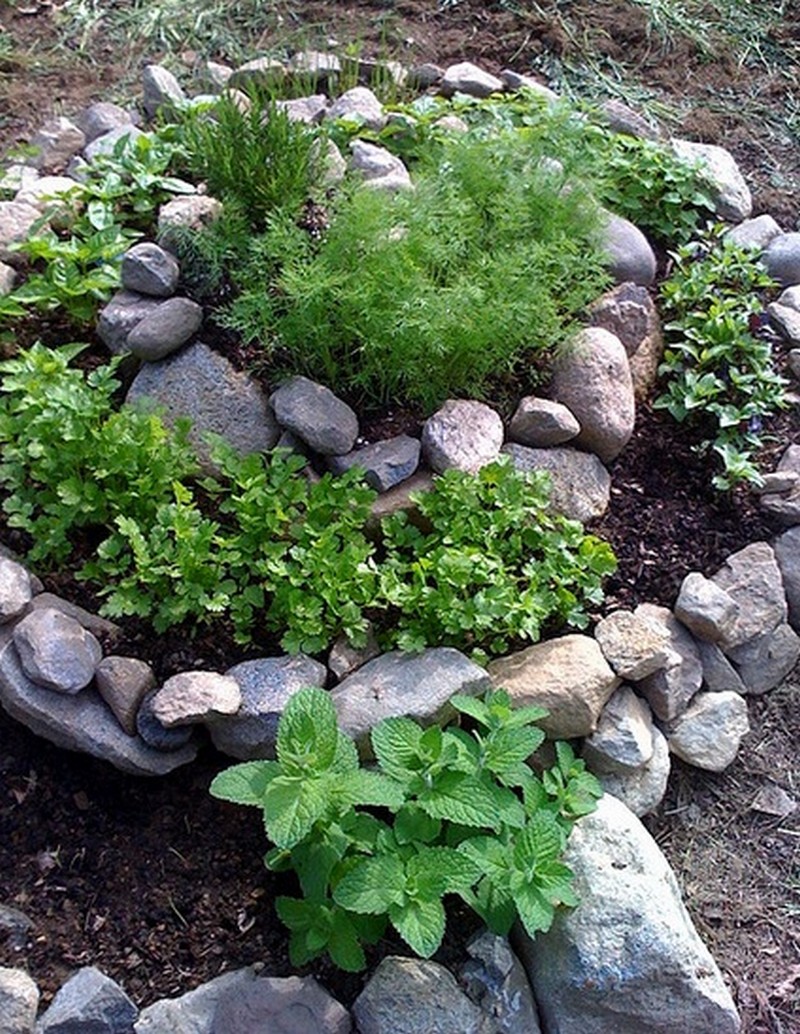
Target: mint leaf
[(396, 745), (533, 908), (372, 789), (411, 823), (463, 799), (442, 870), (246, 783), (292, 805), (372, 885), (308, 735), (421, 925), (344, 946)]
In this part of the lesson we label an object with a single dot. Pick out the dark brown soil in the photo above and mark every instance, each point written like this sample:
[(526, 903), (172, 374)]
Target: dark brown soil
[(163, 887)]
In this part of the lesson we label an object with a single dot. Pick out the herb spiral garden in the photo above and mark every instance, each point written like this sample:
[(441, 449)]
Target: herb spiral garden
[(469, 286)]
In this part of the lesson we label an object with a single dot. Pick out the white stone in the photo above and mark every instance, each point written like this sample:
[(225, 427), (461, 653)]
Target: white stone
[(669, 690), (730, 193), (15, 589), (641, 789), (623, 739), (196, 696), (632, 645), (19, 1000), (462, 435), (709, 732), (707, 610), (468, 78), (752, 577)]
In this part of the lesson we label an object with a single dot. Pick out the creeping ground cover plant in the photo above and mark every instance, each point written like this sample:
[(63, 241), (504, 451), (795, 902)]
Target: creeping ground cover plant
[(443, 812)]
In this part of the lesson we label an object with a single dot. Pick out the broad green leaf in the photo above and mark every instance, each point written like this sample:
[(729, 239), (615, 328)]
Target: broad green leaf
[(246, 783), (471, 706), (314, 861), (506, 748), (491, 856), (344, 946), (421, 925), (291, 807), (308, 735), (542, 840), (533, 908), (370, 789), (412, 824), (372, 885), (442, 870), (460, 798), (396, 744)]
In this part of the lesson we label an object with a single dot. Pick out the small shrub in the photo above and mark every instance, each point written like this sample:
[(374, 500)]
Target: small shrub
[(444, 812), (720, 377), (430, 294)]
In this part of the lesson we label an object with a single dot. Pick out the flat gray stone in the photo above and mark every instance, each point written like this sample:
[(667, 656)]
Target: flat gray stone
[(634, 646), (785, 506), (310, 109), (754, 233), (165, 330), (465, 77), (385, 464), (669, 690), (105, 145), (790, 297), (462, 435), (623, 739), (709, 732), (91, 622), (19, 1000), (157, 735), (120, 315), (706, 609), (279, 1005), (15, 926), (314, 414), (8, 277), (495, 979), (782, 259), (409, 996), (196, 696), (787, 555), (16, 220), (580, 484), (193, 1012), (628, 959), (569, 676), (318, 65), (89, 1002), (361, 105), (54, 143), (629, 256), (55, 651), (729, 191), (752, 577), (191, 212), (123, 682), (400, 498), (629, 312), (202, 385), (149, 269), (344, 658), (265, 685), (764, 662), (541, 423), (161, 91), (378, 166), (592, 377), (100, 118), (82, 722), (786, 320), (718, 672), (622, 119), (515, 81), (418, 685), (641, 789), (15, 589)]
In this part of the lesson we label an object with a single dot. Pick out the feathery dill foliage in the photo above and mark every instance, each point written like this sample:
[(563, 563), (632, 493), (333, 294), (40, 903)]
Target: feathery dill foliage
[(252, 155), (426, 294)]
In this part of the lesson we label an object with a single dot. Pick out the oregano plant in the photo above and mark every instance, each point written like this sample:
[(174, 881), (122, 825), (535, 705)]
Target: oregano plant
[(442, 812)]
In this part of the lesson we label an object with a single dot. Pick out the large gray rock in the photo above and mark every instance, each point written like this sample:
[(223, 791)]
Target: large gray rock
[(201, 384), (279, 1005), (148, 269), (155, 734), (752, 577), (165, 329), (580, 484), (266, 685), (15, 589), (310, 109), (730, 194), (785, 319), (100, 118), (787, 555), (629, 257), (708, 733), (385, 464), (784, 504), (193, 1012), (541, 423), (516, 81), (192, 212), (262, 72), (669, 690), (569, 676), (81, 722), (593, 379), (419, 685), (8, 277), (754, 233), (494, 979), (123, 682), (89, 1003), (361, 105), (623, 739), (120, 315), (19, 1000), (16, 221), (627, 960), (718, 672), (765, 661), (705, 608), (409, 996), (462, 435), (55, 651), (91, 622), (196, 696), (468, 78), (622, 119), (629, 312), (379, 168), (314, 414), (161, 91), (55, 143), (641, 789), (107, 144), (634, 646), (782, 259)]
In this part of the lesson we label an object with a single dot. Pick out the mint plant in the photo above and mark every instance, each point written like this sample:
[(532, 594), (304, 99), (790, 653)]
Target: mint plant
[(720, 377), (443, 812)]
